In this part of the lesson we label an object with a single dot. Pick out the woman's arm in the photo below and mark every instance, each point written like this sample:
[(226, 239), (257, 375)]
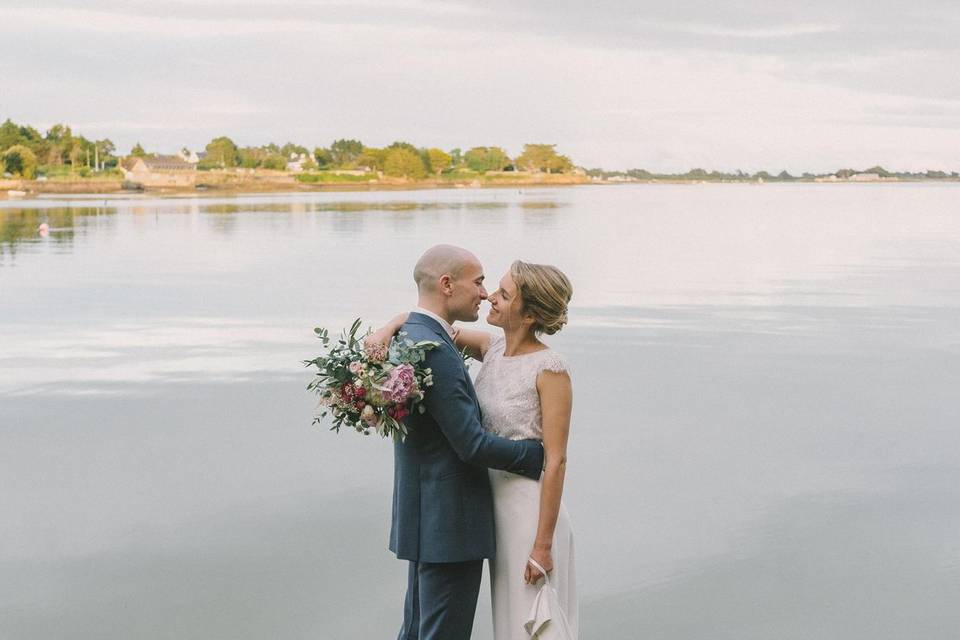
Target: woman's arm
[(384, 334), (475, 342), (556, 403)]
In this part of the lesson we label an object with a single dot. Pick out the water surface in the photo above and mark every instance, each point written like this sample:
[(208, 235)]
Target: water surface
[(764, 440)]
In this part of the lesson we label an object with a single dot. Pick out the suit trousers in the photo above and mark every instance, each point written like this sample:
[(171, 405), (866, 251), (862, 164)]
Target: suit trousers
[(441, 600)]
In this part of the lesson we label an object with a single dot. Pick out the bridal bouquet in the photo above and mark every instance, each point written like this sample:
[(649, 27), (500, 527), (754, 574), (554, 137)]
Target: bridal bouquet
[(370, 388)]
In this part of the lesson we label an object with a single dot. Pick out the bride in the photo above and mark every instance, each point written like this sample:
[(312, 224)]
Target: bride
[(524, 391)]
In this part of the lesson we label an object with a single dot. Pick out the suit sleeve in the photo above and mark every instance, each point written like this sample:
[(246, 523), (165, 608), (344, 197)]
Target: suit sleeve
[(451, 405)]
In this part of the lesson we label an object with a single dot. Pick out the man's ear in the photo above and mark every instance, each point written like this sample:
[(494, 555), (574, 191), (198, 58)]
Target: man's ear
[(446, 284)]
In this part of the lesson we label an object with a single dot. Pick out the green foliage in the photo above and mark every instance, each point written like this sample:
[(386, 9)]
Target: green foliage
[(291, 149), (19, 160), (344, 153), (403, 145), (322, 157), (12, 134), (223, 152), (138, 151), (439, 160), (310, 178), (402, 162), (543, 158), (372, 158), (276, 163), (484, 159), (879, 170)]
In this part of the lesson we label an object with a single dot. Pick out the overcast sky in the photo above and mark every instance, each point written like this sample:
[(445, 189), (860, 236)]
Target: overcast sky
[(666, 86)]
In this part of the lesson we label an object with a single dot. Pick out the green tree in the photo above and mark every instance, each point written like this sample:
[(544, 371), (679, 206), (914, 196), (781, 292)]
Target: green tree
[(345, 153), (59, 143), (323, 158), (483, 159), (879, 170), (106, 147), (439, 161), (456, 157), (138, 151), (75, 154), (104, 150), (291, 149), (251, 157), (9, 134), (276, 163), (403, 145), (20, 161), (372, 158), (223, 152), (543, 158), (403, 162)]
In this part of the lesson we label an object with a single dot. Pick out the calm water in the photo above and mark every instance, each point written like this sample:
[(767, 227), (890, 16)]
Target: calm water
[(764, 444)]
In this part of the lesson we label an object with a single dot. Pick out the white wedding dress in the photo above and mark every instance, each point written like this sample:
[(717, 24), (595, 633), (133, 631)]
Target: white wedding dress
[(507, 390)]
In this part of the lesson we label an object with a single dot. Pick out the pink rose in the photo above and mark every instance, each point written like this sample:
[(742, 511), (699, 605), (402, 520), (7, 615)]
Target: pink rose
[(399, 383)]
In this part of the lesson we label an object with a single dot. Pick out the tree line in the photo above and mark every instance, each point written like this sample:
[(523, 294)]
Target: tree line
[(400, 159), (23, 150), (702, 175)]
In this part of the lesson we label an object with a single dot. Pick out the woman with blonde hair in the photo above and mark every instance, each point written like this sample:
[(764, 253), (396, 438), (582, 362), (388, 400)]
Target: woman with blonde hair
[(525, 392)]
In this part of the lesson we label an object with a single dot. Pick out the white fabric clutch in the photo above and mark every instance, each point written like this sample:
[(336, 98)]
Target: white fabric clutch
[(547, 620)]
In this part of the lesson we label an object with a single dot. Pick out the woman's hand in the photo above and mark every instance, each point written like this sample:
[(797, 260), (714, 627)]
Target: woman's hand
[(542, 555), (381, 336), (384, 334)]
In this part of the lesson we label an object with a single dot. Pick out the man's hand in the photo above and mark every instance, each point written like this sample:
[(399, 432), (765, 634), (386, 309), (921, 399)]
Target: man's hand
[(542, 555)]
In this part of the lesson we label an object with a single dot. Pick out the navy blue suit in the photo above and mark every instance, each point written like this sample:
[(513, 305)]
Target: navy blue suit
[(442, 506)]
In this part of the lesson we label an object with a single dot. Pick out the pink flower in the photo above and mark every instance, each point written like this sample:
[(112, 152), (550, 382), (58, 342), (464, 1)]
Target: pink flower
[(356, 368), (399, 383)]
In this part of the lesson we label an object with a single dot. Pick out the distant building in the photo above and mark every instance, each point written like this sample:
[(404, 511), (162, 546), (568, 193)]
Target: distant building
[(159, 171), (190, 156), (296, 162), (866, 177)]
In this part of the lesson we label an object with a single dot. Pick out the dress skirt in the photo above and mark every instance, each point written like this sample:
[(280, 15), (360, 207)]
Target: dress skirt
[(516, 505)]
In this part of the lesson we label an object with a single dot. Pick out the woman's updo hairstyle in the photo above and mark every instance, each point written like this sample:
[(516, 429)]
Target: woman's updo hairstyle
[(545, 292)]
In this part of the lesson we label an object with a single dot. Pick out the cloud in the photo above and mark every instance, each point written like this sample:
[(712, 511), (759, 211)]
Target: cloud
[(615, 84)]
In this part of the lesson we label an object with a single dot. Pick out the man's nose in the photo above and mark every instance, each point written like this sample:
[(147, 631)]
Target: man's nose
[(483, 293)]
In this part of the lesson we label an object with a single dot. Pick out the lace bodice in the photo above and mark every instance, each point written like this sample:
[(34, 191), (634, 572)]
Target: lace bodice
[(507, 390)]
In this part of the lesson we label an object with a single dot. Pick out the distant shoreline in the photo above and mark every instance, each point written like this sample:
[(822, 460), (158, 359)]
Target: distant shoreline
[(17, 189)]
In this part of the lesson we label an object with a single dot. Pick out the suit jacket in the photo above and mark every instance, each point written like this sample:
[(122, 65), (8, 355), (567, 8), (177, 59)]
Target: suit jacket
[(442, 505)]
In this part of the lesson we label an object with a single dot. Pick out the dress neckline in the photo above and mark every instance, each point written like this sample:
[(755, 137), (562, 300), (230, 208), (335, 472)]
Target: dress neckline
[(520, 355)]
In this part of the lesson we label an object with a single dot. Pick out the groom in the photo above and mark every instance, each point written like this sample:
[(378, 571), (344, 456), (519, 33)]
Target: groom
[(442, 506)]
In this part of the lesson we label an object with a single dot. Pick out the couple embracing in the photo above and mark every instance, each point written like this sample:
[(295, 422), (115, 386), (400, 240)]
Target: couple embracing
[(481, 473)]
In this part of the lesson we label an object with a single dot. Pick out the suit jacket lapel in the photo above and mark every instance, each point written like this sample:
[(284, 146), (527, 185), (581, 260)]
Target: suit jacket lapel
[(427, 321), (433, 325)]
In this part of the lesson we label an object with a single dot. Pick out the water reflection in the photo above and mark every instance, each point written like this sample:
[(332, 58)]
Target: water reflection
[(21, 225), (764, 423), (349, 206)]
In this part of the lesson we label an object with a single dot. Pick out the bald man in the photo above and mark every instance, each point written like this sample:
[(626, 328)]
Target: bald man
[(442, 505)]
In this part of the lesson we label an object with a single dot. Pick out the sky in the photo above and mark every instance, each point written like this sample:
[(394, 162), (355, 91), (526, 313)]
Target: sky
[(665, 86)]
